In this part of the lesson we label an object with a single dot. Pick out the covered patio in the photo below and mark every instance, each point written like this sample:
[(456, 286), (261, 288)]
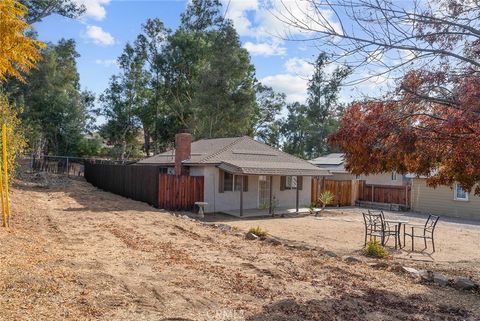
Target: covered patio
[(292, 168)]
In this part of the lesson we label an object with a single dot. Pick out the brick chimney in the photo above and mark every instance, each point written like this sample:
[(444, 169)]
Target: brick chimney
[(183, 150)]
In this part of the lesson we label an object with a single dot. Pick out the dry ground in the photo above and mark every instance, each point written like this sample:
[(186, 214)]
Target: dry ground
[(457, 242), (77, 253)]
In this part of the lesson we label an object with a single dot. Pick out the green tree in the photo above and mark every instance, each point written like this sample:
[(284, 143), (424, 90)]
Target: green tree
[(294, 130), (224, 104), (150, 45), (40, 9), (324, 110), (307, 127), (55, 109), (202, 16), (15, 134), (122, 101), (197, 78), (266, 126)]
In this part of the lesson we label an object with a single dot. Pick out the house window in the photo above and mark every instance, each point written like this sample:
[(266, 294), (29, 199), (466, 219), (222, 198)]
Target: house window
[(238, 182), (460, 194), (291, 182), (232, 182), (227, 181), (394, 176)]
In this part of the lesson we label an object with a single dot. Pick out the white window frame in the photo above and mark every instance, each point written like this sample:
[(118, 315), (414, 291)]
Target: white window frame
[(394, 176), (455, 194), (237, 188), (291, 182)]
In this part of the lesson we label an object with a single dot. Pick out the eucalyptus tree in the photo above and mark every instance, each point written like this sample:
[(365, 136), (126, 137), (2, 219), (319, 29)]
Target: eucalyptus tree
[(307, 127), (40, 9), (122, 101), (150, 44), (54, 107), (266, 122)]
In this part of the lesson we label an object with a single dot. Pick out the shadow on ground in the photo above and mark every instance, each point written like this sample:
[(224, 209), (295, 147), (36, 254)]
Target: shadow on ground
[(373, 304)]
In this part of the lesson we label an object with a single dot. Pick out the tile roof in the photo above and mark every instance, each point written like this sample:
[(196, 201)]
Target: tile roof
[(241, 155)]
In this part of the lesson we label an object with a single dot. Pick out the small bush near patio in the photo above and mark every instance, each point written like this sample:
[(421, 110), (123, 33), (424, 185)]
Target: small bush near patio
[(258, 231), (375, 249)]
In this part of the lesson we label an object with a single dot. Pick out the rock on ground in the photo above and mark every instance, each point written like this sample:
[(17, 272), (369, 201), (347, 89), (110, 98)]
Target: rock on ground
[(464, 284), (440, 279)]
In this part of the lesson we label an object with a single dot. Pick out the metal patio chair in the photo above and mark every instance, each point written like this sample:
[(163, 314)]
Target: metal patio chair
[(390, 229), (426, 232), (375, 226)]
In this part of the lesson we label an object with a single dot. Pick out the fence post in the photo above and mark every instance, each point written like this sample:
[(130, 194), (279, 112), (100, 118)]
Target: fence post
[(68, 172), (373, 193), (406, 196)]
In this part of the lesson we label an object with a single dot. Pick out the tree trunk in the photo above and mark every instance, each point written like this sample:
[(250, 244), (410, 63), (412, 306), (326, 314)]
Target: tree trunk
[(146, 141)]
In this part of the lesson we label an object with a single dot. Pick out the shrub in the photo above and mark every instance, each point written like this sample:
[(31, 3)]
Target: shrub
[(326, 198), (375, 249), (258, 231)]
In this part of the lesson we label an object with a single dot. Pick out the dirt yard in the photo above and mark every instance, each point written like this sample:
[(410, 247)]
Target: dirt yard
[(457, 243), (77, 253)]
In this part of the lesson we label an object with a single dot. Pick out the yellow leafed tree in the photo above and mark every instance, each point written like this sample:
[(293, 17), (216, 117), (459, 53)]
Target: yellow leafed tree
[(18, 51)]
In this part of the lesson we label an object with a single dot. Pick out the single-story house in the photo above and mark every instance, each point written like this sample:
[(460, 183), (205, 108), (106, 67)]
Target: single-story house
[(335, 164), (444, 200), (241, 175)]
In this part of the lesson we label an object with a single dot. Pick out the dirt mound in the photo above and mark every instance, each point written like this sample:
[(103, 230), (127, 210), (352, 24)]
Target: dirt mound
[(41, 179)]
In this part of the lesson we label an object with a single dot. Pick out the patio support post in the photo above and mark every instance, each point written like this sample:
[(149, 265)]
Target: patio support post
[(270, 205), (241, 195), (297, 192)]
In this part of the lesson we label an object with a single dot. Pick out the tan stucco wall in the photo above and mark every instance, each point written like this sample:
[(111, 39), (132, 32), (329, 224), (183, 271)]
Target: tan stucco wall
[(440, 201), (377, 179), (219, 202)]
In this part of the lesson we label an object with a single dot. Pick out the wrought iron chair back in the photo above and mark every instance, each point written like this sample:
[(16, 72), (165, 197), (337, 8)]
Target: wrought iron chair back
[(431, 223), (373, 222), (376, 212)]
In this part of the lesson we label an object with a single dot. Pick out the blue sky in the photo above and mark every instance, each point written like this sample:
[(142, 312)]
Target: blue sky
[(108, 25)]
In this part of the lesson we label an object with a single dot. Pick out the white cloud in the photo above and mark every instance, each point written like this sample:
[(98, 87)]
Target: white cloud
[(106, 62), (263, 18), (94, 8), (299, 66), (99, 36), (265, 49), (295, 87), (294, 82), (237, 12)]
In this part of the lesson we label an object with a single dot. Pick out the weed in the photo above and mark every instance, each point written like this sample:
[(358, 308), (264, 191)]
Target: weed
[(258, 231), (375, 249)]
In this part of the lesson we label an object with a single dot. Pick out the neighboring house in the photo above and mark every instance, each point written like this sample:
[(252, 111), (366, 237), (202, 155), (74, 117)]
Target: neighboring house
[(335, 164), (444, 200), (240, 173)]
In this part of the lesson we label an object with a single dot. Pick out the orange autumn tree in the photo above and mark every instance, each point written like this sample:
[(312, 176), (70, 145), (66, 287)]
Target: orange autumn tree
[(437, 137), (18, 51)]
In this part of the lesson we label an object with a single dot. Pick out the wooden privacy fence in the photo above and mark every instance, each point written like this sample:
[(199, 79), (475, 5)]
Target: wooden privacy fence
[(342, 190), (139, 183), (386, 194), (146, 184), (180, 192)]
